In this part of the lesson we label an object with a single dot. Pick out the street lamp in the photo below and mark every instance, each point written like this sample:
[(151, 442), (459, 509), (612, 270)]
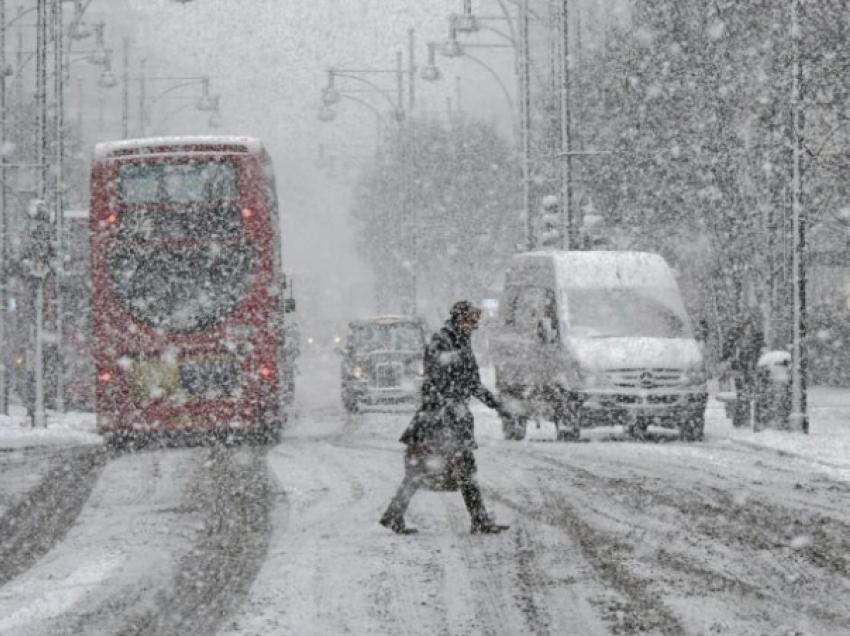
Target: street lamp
[(330, 95), (467, 23), (206, 102), (79, 30), (431, 72), (100, 55), (215, 116), (107, 78)]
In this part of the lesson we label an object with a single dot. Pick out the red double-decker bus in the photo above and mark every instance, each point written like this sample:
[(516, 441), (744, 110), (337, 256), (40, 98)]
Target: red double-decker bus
[(188, 287)]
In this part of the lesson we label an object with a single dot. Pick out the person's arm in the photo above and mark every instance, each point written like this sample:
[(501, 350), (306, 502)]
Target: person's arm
[(481, 392)]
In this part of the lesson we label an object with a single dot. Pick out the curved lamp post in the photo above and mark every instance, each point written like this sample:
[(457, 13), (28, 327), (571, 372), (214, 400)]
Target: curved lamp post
[(331, 96)]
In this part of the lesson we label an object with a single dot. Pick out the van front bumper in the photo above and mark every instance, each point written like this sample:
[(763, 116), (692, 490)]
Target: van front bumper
[(653, 404)]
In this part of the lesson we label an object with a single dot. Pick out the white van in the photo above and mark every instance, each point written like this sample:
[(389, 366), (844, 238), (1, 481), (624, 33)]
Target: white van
[(595, 339)]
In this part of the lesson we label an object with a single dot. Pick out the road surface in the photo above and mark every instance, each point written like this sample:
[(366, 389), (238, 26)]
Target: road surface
[(607, 537)]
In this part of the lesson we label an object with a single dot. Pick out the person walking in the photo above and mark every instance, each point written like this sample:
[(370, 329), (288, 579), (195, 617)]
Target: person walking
[(741, 352), (440, 439)]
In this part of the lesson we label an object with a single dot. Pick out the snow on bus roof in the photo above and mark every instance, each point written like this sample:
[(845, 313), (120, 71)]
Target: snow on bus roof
[(106, 149), (387, 319)]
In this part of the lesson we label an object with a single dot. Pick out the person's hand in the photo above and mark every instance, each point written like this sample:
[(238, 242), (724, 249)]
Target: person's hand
[(509, 408)]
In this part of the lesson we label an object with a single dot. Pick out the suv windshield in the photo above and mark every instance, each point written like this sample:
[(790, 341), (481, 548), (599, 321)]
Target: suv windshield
[(391, 337), (621, 313)]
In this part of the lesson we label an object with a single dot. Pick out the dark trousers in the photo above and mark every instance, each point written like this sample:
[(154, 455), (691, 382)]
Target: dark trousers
[(439, 469)]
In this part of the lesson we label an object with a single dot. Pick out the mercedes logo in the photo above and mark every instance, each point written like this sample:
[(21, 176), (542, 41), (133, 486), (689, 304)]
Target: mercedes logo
[(646, 380)]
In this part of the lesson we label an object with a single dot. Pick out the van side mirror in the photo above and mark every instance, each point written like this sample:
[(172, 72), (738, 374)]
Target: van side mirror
[(288, 305)]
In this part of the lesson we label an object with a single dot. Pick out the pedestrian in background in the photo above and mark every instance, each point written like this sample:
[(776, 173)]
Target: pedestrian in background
[(742, 349)]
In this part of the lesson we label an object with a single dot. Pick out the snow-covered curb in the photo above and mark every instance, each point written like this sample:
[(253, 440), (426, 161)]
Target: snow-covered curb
[(73, 428)]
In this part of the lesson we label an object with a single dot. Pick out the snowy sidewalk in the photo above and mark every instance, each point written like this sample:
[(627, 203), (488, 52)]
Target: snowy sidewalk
[(63, 429), (828, 441)]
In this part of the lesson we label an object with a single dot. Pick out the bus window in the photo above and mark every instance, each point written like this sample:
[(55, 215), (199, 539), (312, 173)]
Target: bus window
[(178, 182)]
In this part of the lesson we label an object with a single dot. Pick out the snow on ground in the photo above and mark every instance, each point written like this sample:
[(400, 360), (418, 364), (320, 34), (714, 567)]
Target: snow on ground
[(72, 428), (827, 444)]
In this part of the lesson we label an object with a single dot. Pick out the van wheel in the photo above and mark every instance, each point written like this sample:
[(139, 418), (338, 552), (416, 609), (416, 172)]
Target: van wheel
[(569, 434), (637, 429), (693, 428), (566, 413)]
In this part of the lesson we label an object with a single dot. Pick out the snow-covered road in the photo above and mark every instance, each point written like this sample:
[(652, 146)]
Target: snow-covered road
[(607, 537)]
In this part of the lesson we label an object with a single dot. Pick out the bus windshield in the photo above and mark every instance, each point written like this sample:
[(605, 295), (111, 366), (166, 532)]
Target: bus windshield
[(184, 290)]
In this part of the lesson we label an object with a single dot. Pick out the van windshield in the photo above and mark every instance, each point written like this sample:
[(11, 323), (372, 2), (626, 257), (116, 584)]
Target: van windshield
[(626, 313)]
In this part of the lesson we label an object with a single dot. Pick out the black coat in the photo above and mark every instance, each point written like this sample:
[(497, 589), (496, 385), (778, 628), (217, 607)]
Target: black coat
[(451, 380)]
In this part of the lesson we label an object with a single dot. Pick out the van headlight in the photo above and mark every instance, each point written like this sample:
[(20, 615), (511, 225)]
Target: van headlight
[(591, 377), (697, 375)]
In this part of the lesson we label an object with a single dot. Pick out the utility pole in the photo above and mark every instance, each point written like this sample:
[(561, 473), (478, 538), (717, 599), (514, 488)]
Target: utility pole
[(39, 419), (411, 70), (525, 123), (4, 225), (799, 419), (408, 291), (58, 198), (143, 113), (125, 93), (566, 126)]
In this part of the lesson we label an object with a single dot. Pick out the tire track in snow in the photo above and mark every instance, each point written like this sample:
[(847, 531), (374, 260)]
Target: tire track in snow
[(234, 492), (488, 559), (642, 612), (30, 528), (737, 550)]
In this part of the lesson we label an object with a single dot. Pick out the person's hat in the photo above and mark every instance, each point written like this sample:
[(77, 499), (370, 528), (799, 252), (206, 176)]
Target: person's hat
[(464, 310)]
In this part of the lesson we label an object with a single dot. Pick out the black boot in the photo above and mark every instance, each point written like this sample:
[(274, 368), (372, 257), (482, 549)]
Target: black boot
[(488, 528), (485, 525), (396, 523)]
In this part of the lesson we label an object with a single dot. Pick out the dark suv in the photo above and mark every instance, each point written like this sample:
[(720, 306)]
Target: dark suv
[(382, 361)]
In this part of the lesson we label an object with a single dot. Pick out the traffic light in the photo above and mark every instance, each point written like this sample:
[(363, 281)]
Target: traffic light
[(39, 252), (551, 223)]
